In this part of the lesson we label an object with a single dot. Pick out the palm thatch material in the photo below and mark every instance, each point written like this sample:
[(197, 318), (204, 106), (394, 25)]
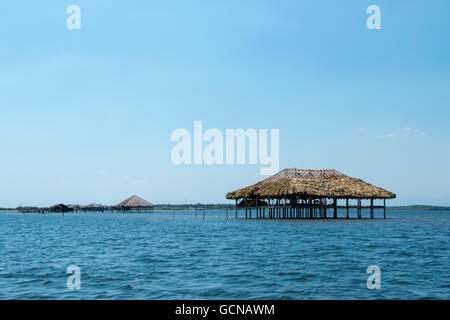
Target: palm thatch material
[(134, 203), (305, 183)]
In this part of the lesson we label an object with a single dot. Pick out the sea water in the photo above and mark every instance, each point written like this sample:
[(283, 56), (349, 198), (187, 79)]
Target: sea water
[(181, 255)]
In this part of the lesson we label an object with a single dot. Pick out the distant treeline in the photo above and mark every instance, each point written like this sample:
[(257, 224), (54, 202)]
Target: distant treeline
[(420, 208), (198, 206)]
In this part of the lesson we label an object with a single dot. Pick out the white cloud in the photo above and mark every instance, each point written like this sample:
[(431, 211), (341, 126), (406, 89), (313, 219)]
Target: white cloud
[(411, 130)]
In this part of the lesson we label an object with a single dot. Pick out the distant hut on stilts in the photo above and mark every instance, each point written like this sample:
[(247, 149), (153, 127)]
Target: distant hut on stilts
[(304, 193), (134, 203), (93, 207), (60, 208)]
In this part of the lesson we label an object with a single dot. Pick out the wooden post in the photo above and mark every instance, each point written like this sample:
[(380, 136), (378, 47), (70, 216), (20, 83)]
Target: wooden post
[(384, 208), (235, 209), (346, 207), (334, 208), (257, 213), (359, 208), (371, 208)]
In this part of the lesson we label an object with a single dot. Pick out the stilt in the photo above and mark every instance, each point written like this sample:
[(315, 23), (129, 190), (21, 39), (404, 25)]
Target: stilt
[(371, 209), (384, 208), (359, 208), (346, 207), (334, 208), (235, 210)]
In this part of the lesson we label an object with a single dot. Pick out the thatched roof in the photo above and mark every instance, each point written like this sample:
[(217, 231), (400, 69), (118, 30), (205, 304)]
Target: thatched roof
[(134, 202), (306, 183)]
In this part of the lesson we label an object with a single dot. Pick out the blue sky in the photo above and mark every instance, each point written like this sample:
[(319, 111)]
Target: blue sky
[(87, 115)]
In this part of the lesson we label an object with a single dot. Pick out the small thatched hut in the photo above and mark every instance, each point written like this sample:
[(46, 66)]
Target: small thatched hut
[(134, 203), (60, 208), (304, 193), (93, 207)]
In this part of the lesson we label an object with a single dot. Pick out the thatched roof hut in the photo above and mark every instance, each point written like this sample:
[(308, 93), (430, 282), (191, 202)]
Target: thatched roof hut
[(134, 203), (304, 193), (60, 208), (305, 184), (93, 207)]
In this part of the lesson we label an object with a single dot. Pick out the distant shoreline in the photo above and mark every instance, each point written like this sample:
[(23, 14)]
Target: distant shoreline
[(201, 206)]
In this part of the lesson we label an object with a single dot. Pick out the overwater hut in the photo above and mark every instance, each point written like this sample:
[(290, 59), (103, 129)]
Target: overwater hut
[(93, 207), (304, 193), (60, 208), (22, 209), (134, 203)]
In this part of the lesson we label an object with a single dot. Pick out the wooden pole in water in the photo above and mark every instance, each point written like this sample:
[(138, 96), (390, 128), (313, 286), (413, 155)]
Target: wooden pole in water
[(257, 207), (279, 209), (346, 207), (359, 208), (235, 209), (245, 204), (334, 208), (384, 208), (204, 213), (371, 208), (310, 208)]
